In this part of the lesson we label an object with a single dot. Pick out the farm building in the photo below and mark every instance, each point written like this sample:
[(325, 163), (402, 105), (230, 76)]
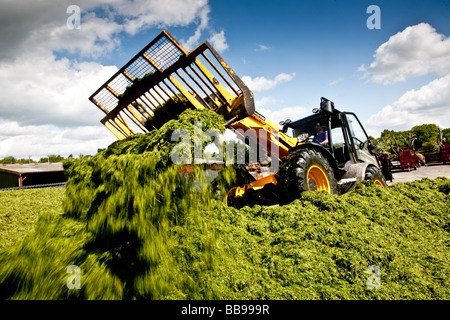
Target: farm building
[(26, 175)]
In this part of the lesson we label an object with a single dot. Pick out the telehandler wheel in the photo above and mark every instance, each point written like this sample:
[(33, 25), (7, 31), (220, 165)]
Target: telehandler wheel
[(305, 170), (237, 202), (374, 174)]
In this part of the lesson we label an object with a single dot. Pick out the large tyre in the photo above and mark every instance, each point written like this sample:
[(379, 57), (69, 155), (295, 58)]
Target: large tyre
[(305, 170), (231, 201), (375, 174)]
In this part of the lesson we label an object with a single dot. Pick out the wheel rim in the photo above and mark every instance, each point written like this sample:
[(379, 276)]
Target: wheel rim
[(317, 179), (379, 183), (230, 197)]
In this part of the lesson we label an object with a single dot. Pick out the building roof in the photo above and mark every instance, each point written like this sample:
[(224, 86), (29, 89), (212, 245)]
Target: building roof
[(31, 168)]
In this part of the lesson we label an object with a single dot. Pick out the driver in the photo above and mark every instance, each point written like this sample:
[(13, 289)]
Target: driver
[(321, 136)]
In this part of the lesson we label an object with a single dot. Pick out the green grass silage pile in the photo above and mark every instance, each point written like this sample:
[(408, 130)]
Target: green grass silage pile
[(20, 209), (321, 246), (137, 228), (120, 209)]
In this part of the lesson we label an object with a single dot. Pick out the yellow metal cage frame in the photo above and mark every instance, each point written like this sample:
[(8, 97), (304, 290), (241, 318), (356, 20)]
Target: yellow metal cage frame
[(162, 71)]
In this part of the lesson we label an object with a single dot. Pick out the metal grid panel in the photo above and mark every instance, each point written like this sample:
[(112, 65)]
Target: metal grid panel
[(119, 83), (139, 68), (164, 53), (106, 99)]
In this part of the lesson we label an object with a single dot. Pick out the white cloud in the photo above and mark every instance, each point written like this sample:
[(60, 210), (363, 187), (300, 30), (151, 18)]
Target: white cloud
[(293, 113), (43, 24), (46, 108), (279, 114), (261, 47), (95, 37), (218, 41), (416, 51), (266, 101), (142, 14), (429, 104), (41, 27), (42, 90), (335, 82), (262, 83), (41, 140), (361, 68), (193, 41)]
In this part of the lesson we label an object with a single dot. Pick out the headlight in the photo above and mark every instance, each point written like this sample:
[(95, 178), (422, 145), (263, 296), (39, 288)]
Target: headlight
[(302, 137)]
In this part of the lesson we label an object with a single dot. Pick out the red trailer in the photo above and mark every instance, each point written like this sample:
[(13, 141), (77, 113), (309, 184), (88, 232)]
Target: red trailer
[(408, 158), (445, 152)]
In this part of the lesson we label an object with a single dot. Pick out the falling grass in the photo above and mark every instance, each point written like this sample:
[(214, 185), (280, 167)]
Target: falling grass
[(168, 110), (119, 211), (140, 229)]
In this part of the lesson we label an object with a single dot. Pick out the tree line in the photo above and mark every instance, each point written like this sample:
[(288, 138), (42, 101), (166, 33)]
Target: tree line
[(423, 138), (50, 159)]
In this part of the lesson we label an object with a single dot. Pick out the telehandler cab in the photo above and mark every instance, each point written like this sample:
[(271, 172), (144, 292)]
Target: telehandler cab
[(333, 153)]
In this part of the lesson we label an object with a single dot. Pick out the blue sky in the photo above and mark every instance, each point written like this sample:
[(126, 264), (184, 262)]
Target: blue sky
[(290, 53)]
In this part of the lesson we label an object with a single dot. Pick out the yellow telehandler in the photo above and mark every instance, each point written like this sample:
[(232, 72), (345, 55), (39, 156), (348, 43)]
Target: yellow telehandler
[(327, 151)]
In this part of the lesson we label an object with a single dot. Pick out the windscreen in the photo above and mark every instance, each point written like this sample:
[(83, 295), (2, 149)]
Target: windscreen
[(312, 126)]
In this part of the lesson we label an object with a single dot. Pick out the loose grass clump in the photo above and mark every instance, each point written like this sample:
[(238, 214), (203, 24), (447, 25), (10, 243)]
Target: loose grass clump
[(137, 85), (168, 110), (139, 229)]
